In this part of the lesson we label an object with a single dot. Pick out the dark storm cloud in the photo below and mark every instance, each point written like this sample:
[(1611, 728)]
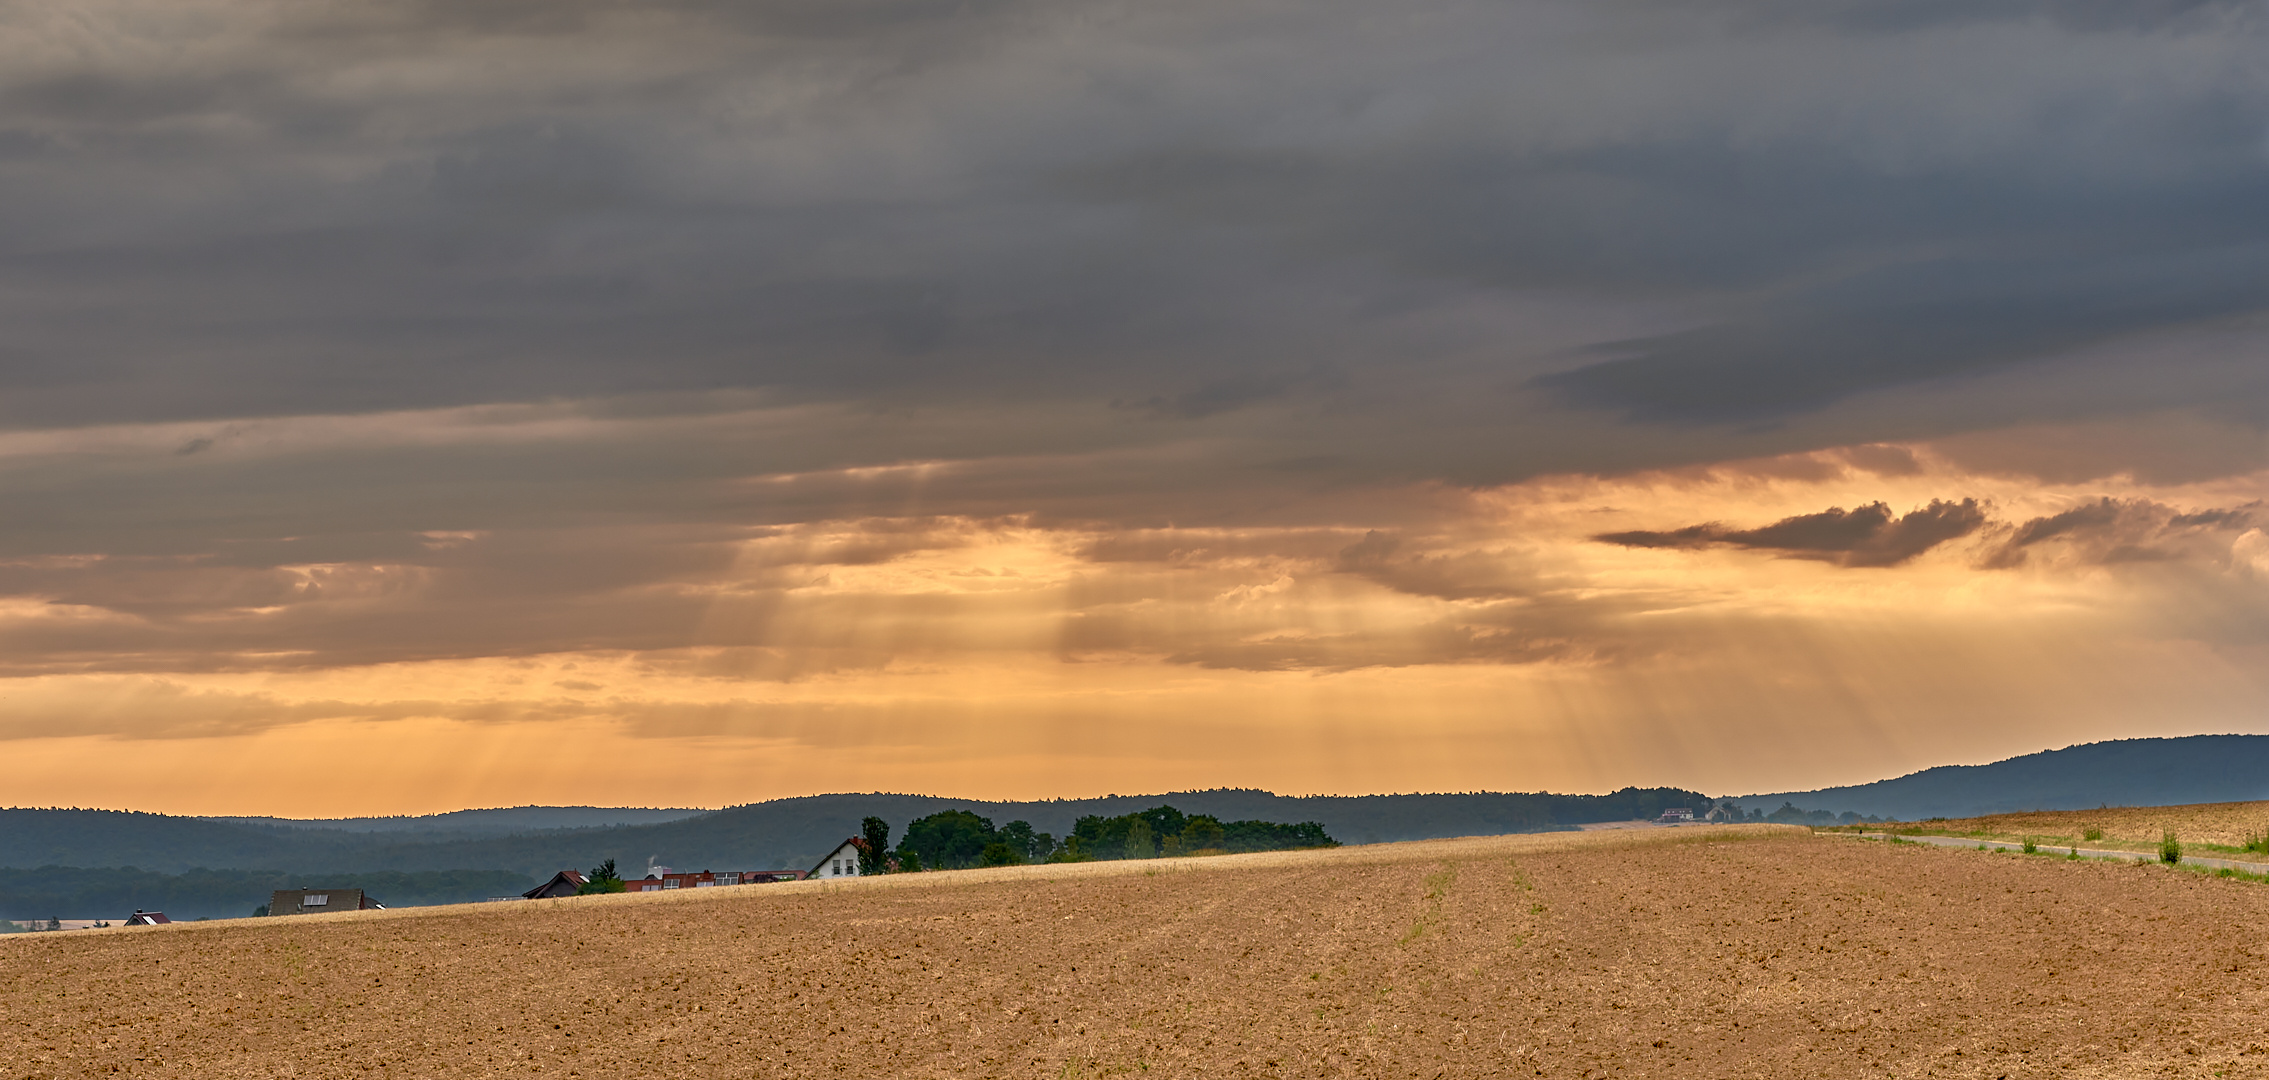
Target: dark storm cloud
[(501, 327), (1870, 535), (2124, 531), (239, 210)]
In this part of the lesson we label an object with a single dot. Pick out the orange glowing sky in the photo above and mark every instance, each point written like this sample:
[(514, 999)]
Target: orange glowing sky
[(413, 407), (1390, 638)]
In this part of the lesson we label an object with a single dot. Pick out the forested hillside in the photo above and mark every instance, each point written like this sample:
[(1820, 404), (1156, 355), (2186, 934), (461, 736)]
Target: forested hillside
[(2120, 772)]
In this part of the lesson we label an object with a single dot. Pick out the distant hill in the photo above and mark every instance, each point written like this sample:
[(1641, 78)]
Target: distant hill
[(2122, 772), (225, 894), (505, 821), (785, 833)]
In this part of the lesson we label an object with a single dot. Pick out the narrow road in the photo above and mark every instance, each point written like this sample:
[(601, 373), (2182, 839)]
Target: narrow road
[(2085, 852)]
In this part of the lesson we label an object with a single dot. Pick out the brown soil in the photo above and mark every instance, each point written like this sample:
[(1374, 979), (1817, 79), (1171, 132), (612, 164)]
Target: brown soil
[(1685, 953), (2134, 826)]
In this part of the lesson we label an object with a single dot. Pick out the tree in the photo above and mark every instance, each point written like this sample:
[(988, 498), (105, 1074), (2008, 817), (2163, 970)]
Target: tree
[(874, 853), (260, 912), (1788, 813), (54, 923), (909, 862), (1072, 850), (1139, 842), (948, 839), (603, 879), (1000, 853), (1204, 833), (1031, 846), (1164, 821)]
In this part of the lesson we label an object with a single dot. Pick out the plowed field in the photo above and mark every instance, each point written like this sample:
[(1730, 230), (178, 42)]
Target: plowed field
[(1672, 953)]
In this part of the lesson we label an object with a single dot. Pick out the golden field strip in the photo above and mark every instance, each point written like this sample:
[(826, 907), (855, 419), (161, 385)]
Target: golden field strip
[(1747, 951), (2222, 825)]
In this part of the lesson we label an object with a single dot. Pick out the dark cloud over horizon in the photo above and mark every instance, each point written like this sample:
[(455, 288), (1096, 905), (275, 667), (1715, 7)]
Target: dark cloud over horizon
[(1870, 535)]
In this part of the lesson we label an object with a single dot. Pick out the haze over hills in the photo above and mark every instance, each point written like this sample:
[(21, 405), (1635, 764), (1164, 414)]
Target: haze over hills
[(2119, 772), (502, 821), (123, 858), (769, 835)]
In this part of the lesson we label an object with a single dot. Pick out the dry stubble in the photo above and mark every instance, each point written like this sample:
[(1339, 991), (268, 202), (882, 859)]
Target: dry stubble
[(2135, 826)]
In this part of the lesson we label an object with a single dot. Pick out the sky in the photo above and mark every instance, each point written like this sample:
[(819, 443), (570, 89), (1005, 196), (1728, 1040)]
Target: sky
[(409, 405)]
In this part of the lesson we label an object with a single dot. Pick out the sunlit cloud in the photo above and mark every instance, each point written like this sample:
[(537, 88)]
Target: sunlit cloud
[(697, 402)]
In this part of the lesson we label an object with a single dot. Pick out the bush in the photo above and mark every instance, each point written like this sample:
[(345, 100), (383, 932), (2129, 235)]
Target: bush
[(2257, 841), (999, 853), (2031, 846), (2091, 833), (2170, 849)]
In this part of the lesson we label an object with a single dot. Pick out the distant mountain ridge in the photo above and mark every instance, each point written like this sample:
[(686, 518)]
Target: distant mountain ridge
[(501, 821), (2118, 772), (785, 833)]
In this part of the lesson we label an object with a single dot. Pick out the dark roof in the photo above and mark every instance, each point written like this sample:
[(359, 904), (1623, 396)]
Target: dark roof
[(569, 878)]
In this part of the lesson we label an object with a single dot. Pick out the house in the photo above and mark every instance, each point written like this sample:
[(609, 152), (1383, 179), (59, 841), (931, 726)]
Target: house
[(841, 862), (1676, 815), (317, 901), (147, 918), (564, 883), (662, 878)]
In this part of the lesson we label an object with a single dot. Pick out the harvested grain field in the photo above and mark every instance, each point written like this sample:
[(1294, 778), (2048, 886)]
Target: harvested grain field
[(2138, 827), (1695, 953)]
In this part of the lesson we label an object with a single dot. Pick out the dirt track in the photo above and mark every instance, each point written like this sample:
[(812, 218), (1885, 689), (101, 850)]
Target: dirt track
[(1634, 954)]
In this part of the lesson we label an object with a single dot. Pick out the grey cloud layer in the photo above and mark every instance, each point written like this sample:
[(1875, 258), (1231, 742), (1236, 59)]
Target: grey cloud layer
[(403, 330), (1744, 211)]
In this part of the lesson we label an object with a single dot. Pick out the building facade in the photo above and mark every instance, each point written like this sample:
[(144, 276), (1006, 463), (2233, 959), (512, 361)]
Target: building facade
[(317, 901), (666, 880), (841, 862)]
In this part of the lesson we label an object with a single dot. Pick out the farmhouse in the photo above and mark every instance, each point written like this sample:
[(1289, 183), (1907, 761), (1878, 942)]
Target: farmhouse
[(661, 879), (147, 918), (564, 883), (841, 862), (317, 901)]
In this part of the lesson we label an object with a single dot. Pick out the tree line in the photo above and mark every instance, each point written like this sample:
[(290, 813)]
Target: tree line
[(760, 835), (961, 839)]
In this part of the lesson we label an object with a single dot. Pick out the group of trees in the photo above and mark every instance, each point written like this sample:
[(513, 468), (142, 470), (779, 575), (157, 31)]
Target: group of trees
[(603, 878), (958, 839), (1788, 814)]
